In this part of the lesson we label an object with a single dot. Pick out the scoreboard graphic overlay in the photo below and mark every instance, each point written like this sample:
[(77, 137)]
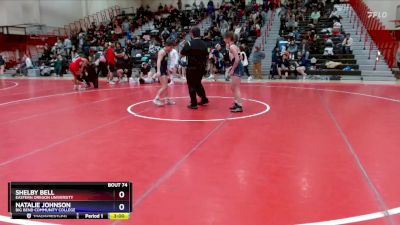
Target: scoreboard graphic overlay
[(70, 200)]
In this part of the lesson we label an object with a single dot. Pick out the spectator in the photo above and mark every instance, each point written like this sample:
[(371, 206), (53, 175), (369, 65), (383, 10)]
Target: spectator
[(304, 49), (67, 46), (291, 23), (215, 62), (334, 15), (283, 66), (238, 30), (174, 35), (58, 65), (337, 28), (258, 56), (165, 34), (398, 57), (245, 61), (347, 43), (110, 57), (224, 26), (2, 65), (74, 52), (328, 50), (127, 66), (300, 16), (81, 40), (120, 62), (276, 59), (182, 66), (292, 49), (173, 60), (60, 47), (276, 55), (315, 15), (26, 65), (302, 65), (145, 74), (126, 27), (296, 34)]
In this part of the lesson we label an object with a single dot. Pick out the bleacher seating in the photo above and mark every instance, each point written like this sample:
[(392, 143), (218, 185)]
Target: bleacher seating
[(348, 68)]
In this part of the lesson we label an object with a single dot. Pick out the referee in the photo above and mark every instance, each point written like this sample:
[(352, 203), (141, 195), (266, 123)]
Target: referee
[(196, 52)]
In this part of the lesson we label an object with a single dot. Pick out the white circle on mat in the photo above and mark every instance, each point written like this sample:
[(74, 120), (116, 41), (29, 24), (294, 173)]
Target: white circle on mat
[(266, 109)]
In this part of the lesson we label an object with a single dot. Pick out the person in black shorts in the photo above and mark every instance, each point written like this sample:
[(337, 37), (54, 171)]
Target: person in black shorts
[(235, 72), (162, 73), (120, 61), (197, 56), (127, 67), (91, 75)]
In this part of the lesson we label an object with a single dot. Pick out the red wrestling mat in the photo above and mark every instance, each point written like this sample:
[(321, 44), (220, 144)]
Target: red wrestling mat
[(300, 153)]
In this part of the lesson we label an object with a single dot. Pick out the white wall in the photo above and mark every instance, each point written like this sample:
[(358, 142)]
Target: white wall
[(129, 3), (94, 6), (54, 13), (13, 12), (388, 6)]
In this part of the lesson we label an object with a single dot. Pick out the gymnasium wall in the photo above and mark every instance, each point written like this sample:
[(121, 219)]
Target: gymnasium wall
[(54, 13), (14, 12)]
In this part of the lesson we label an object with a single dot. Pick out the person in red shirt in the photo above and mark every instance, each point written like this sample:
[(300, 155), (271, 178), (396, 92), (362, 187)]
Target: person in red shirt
[(76, 68), (110, 57)]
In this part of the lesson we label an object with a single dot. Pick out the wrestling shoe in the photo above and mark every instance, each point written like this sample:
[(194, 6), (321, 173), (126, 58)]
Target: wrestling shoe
[(237, 109), (211, 77), (111, 82), (81, 88), (157, 102), (170, 102), (203, 102), (190, 106), (234, 106)]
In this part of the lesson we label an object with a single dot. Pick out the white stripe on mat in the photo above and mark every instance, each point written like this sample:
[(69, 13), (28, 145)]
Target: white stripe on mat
[(356, 219)]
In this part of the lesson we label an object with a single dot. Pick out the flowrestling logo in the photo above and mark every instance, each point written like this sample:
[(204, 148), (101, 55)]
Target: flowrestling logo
[(373, 14)]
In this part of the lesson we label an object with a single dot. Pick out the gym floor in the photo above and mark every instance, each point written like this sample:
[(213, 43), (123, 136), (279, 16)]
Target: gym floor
[(300, 153)]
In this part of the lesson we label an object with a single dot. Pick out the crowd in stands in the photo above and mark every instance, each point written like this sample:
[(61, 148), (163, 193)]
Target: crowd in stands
[(308, 30), (245, 22), (113, 49)]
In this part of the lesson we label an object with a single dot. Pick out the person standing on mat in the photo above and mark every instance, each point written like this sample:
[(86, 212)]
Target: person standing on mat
[(236, 71), (163, 74), (197, 55)]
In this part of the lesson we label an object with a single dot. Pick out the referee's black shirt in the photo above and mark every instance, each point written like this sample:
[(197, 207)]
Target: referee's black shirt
[(196, 53)]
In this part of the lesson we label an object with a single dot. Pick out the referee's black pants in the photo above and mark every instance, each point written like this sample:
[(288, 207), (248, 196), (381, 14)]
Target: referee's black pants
[(194, 77)]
